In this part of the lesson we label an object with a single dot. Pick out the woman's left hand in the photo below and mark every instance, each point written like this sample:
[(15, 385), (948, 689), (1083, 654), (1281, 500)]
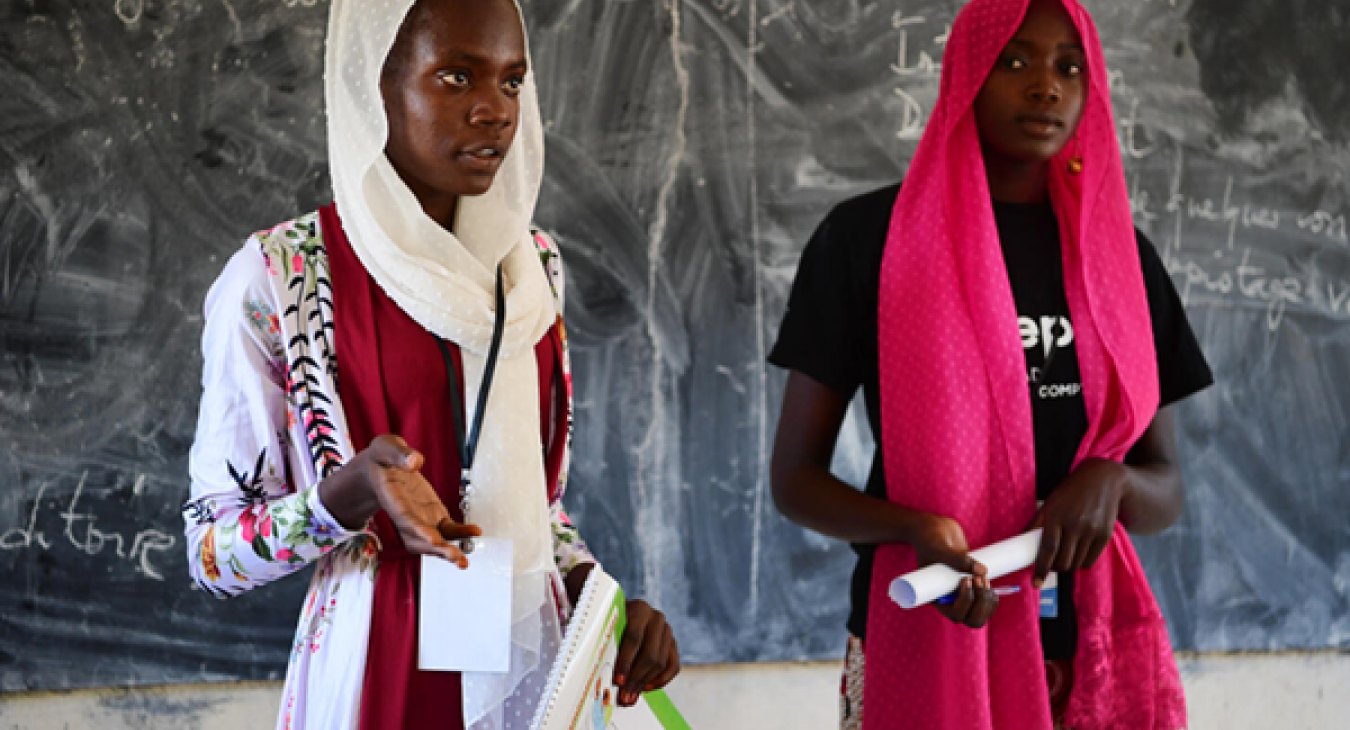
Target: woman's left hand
[(1080, 517), (648, 656)]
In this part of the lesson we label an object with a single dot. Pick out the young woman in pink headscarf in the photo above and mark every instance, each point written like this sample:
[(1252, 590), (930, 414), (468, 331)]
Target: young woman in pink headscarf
[(1018, 344)]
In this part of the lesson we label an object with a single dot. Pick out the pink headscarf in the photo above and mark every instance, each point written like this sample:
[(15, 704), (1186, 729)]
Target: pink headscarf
[(957, 428)]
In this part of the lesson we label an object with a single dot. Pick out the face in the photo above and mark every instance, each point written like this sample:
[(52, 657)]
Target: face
[(451, 89), (1030, 106)]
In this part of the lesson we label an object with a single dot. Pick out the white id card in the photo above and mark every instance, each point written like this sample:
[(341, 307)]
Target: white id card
[(464, 616)]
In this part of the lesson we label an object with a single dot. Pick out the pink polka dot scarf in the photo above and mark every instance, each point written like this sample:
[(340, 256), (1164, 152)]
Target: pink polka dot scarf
[(956, 418)]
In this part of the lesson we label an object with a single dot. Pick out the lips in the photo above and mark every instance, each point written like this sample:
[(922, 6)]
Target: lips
[(1041, 126), (481, 158)]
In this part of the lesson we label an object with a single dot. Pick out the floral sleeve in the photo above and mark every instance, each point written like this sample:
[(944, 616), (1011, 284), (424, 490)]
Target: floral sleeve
[(246, 522), (569, 550)]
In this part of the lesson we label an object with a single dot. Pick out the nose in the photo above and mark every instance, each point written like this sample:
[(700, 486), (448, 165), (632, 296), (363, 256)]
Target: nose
[(1045, 88), (492, 108)]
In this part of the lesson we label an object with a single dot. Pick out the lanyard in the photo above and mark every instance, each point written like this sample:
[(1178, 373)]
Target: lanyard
[(468, 448)]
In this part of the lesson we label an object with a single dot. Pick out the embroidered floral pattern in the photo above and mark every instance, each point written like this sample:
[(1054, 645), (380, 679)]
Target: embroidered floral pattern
[(309, 317), (251, 489)]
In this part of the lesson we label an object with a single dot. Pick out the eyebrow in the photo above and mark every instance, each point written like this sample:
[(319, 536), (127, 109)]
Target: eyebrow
[(1061, 46), (453, 56)]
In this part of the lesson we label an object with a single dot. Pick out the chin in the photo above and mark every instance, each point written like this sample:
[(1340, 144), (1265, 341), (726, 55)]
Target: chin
[(474, 187), (1039, 154)]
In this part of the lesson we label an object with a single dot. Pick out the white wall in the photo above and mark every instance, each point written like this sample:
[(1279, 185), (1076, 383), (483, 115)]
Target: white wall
[(1243, 692)]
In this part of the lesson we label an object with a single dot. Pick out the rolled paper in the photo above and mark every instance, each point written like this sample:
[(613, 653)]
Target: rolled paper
[(926, 585)]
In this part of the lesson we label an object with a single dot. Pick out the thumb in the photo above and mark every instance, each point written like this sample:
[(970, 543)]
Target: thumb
[(393, 452), (963, 563)]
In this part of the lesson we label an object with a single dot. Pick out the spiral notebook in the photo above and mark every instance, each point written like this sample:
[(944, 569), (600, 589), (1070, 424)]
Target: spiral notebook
[(580, 692)]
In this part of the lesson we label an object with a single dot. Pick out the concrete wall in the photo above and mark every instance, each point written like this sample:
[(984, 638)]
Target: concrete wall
[(1256, 692)]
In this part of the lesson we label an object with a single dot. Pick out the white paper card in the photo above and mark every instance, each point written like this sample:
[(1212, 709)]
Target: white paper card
[(464, 616), (935, 581)]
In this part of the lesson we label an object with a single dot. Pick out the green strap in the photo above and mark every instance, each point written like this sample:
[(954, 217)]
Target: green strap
[(665, 711)]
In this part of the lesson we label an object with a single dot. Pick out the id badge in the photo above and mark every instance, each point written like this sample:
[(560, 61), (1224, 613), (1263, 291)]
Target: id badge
[(1050, 596), (464, 616)]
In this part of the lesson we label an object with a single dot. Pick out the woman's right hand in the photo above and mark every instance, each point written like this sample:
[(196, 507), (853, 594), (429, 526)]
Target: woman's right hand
[(386, 475), (941, 540)]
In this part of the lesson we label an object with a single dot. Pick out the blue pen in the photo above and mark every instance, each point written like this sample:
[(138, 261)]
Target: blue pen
[(950, 598)]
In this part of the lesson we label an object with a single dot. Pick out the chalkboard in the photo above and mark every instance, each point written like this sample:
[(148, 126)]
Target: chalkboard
[(693, 146)]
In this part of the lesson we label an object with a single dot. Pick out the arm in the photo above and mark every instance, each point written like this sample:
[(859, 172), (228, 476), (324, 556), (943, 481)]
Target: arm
[(1154, 494), (1145, 494), (245, 523), (803, 488), (807, 493)]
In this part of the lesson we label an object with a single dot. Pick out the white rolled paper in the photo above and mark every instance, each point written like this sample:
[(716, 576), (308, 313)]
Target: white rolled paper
[(935, 581)]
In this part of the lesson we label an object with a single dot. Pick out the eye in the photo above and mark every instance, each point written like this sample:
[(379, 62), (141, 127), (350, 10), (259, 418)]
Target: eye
[(455, 78), (513, 86), (1013, 63), (1072, 68)]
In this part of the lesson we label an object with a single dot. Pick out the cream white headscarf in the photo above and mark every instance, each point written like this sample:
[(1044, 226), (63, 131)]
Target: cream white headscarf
[(445, 281)]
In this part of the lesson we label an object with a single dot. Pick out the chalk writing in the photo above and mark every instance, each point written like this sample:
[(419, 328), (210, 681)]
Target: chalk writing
[(129, 11), (82, 533), (925, 66), (1219, 276)]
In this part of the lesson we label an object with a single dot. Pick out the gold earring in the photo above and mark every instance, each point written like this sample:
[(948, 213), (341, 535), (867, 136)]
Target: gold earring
[(1076, 159)]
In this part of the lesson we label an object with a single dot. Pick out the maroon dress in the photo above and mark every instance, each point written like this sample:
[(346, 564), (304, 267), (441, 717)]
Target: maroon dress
[(392, 380)]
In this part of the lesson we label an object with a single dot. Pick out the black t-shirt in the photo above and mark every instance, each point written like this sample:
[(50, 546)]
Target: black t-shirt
[(829, 333)]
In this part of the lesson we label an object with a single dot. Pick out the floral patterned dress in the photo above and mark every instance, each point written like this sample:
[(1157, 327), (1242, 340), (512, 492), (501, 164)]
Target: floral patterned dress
[(270, 428)]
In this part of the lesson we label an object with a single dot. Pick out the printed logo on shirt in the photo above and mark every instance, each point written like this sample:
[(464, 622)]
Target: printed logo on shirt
[(1046, 334)]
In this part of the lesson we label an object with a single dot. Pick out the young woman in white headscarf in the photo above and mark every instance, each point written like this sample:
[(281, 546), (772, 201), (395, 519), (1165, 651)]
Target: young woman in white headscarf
[(451, 421)]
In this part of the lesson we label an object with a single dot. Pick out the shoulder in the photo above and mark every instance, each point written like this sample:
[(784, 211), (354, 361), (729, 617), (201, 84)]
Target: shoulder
[(851, 239), (866, 209), (550, 257), (246, 291), (858, 226), (280, 244), (1157, 280)]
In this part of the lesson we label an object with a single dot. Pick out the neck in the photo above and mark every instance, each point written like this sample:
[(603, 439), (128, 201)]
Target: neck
[(440, 208), (1016, 181)]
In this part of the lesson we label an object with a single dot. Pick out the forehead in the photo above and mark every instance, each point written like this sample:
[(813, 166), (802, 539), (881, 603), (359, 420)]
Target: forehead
[(488, 29), (1049, 20)]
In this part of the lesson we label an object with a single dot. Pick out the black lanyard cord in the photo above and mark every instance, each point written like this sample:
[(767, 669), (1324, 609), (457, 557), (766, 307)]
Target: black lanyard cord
[(468, 448)]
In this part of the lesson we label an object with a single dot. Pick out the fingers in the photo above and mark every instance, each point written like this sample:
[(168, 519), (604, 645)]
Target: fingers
[(961, 562), (633, 636), (974, 603), (1094, 552), (672, 665), (1070, 548), (1045, 557), (649, 663), (453, 531), (959, 608), (985, 602), (441, 549)]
